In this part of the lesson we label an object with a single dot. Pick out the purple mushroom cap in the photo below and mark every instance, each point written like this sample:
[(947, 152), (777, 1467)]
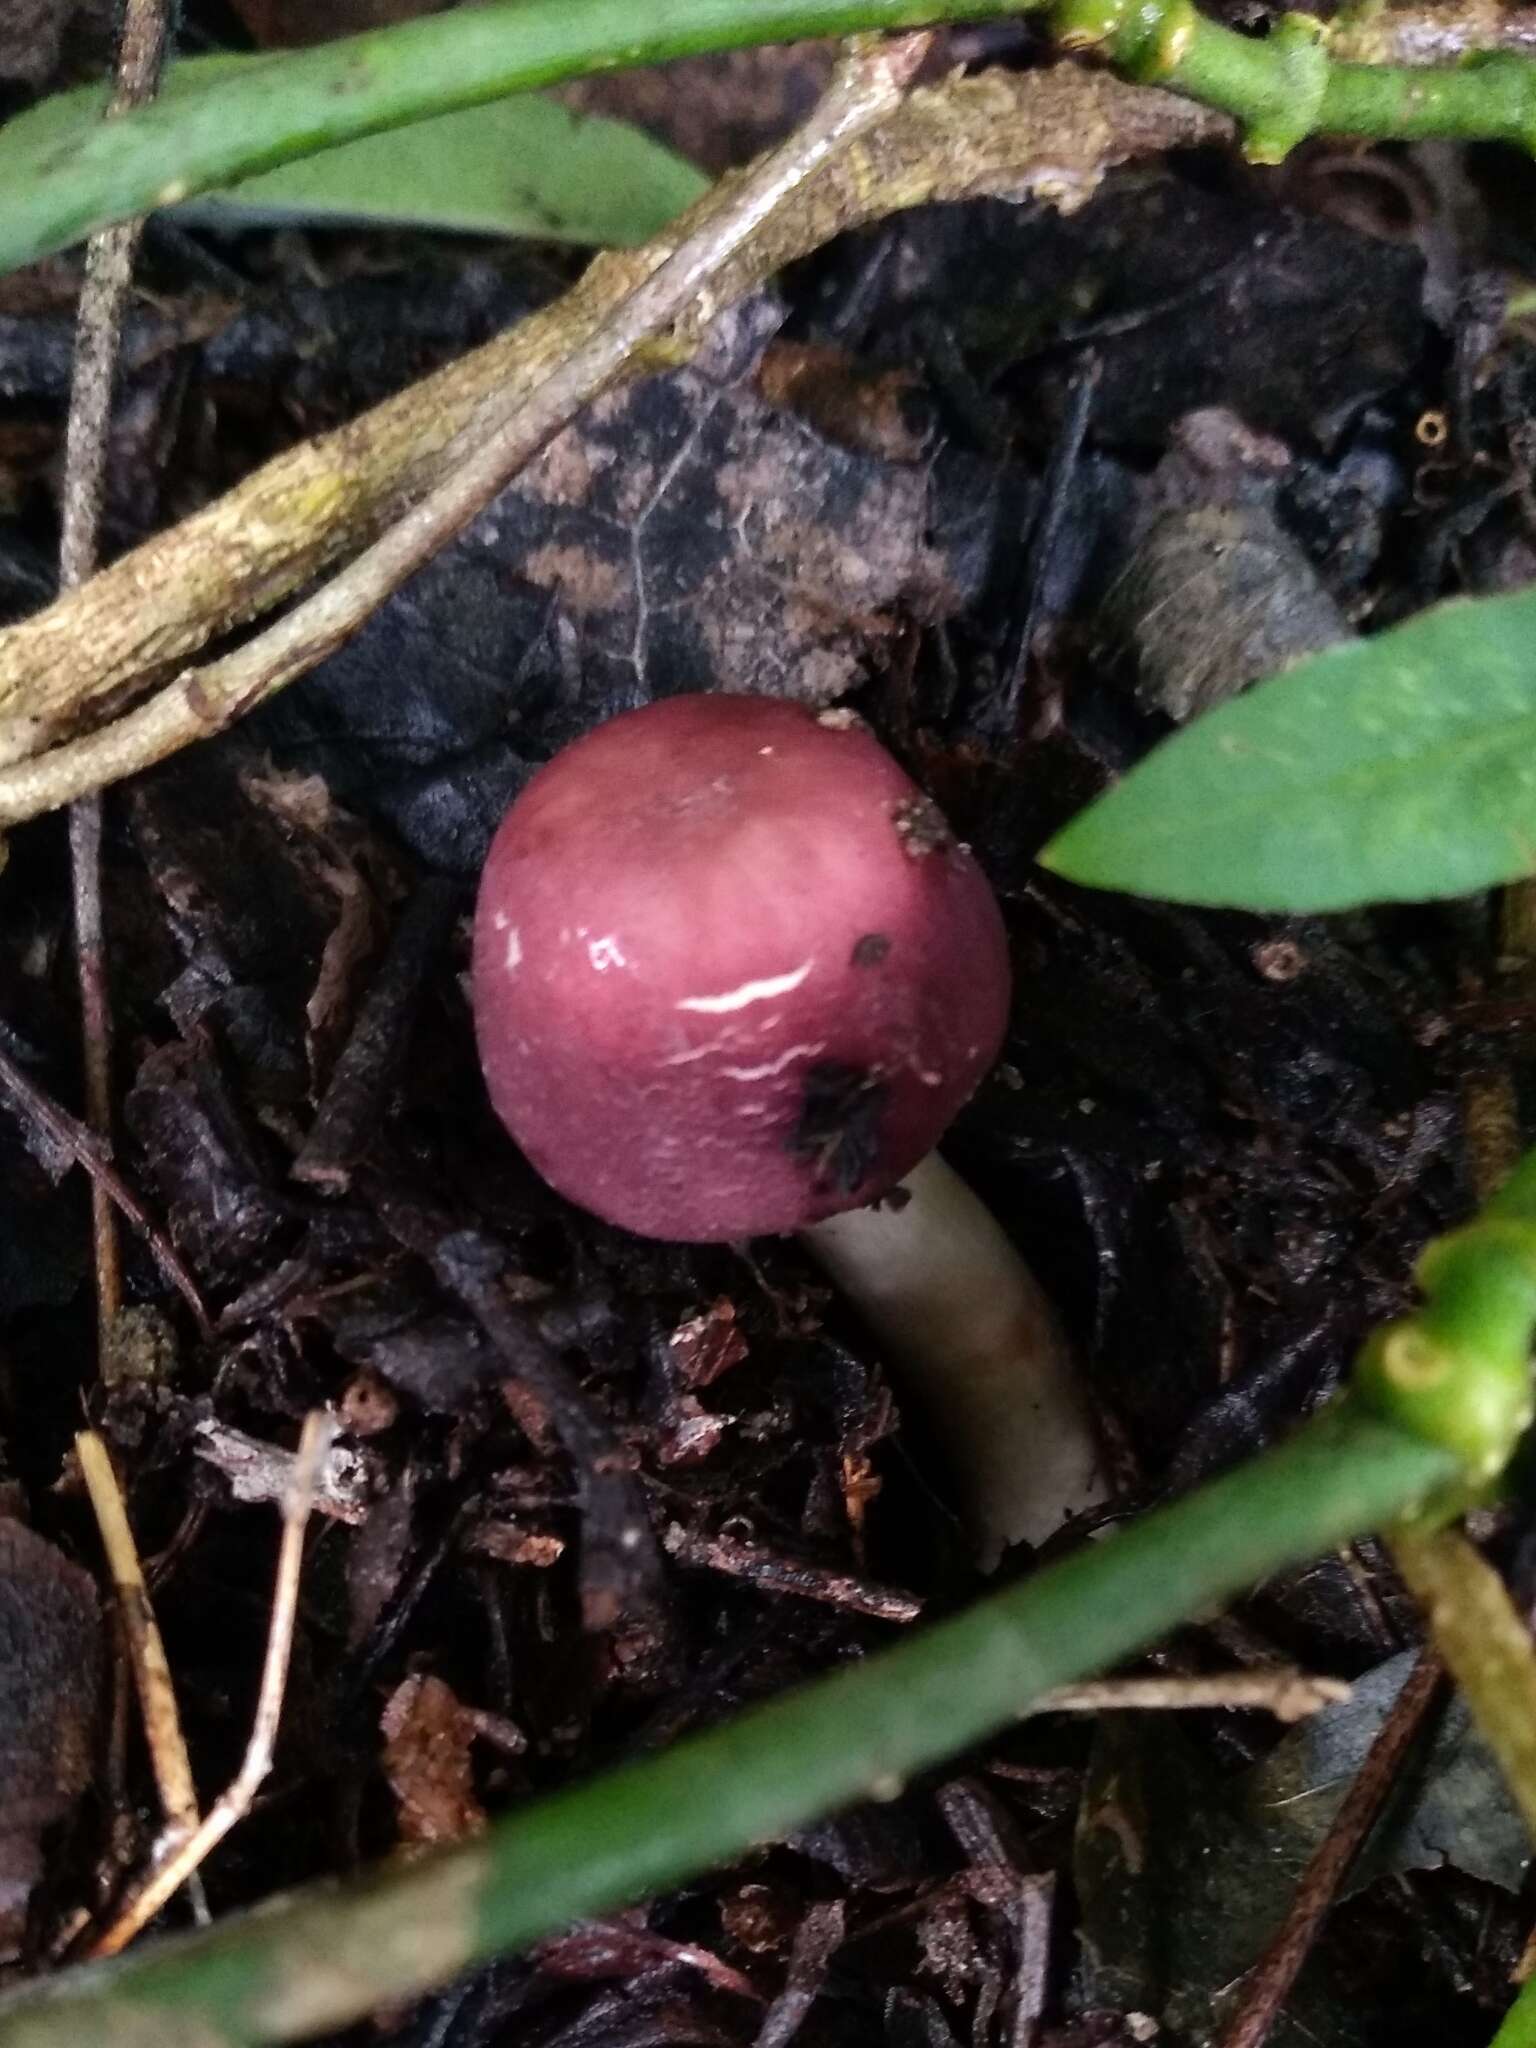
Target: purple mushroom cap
[(732, 972)]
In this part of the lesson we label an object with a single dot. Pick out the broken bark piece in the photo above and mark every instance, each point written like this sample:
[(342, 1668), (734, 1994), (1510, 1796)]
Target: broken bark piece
[(355, 1098), (427, 1735), (346, 1483)]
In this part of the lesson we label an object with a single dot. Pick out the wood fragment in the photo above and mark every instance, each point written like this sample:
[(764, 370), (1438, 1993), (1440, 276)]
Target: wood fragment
[(348, 1118), (345, 1483), (775, 1574)]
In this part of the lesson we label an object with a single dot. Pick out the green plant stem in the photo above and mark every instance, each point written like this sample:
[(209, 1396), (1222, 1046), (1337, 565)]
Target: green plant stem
[(322, 1958), (1518, 2029), (303, 101), (208, 134), (1286, 86)]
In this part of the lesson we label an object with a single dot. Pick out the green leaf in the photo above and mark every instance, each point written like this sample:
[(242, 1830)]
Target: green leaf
[(517, 166), (1389, 769)]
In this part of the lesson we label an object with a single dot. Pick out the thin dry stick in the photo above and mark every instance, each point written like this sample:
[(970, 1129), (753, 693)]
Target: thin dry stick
[(1268, 1985), (151, 1667), (84, 1147), (1286, 1692), (108, 268), (868, 84), (239, 1795), (773, 1574)]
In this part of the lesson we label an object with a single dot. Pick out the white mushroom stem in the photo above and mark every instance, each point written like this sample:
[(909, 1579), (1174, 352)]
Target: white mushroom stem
[(970, 1334)]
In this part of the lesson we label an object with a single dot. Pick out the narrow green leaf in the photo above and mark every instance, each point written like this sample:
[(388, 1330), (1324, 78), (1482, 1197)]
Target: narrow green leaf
[(517, 166), (1389, 769)]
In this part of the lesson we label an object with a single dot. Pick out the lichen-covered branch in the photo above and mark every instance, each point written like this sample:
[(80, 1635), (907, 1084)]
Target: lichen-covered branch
[(1381, 32), (93, 651)]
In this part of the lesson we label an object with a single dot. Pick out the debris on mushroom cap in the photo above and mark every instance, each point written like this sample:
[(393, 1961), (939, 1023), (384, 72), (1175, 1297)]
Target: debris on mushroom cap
[(732, 973)]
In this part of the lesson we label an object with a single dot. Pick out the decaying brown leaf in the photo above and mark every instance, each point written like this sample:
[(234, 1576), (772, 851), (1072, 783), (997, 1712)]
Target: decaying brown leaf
[(427, 1737)]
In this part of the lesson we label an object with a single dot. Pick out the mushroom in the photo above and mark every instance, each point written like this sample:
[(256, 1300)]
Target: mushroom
[(733, 976)]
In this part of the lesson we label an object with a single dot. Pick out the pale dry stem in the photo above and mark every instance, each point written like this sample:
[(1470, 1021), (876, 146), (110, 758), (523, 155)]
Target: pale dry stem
[(146, 1649), (103, 294), (178, 1861), (1284, 1691)]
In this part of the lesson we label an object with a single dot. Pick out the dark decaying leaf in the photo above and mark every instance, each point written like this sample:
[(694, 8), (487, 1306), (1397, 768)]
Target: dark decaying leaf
[(1451, 1807), (683, 535), (50, 1656), (1186, 1871), (718, 110), (1189, 297), (279, 24), (42, 1259), (218, 1191), (33, 34), (274, 895)]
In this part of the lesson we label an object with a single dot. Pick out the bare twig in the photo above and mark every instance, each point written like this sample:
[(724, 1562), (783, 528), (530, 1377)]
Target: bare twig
[(774, 1574), (1052, 134), (1268, 1985), (146, 1650), (104, 291), (85, 1148), (237, 1798), (1285, 1692)]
